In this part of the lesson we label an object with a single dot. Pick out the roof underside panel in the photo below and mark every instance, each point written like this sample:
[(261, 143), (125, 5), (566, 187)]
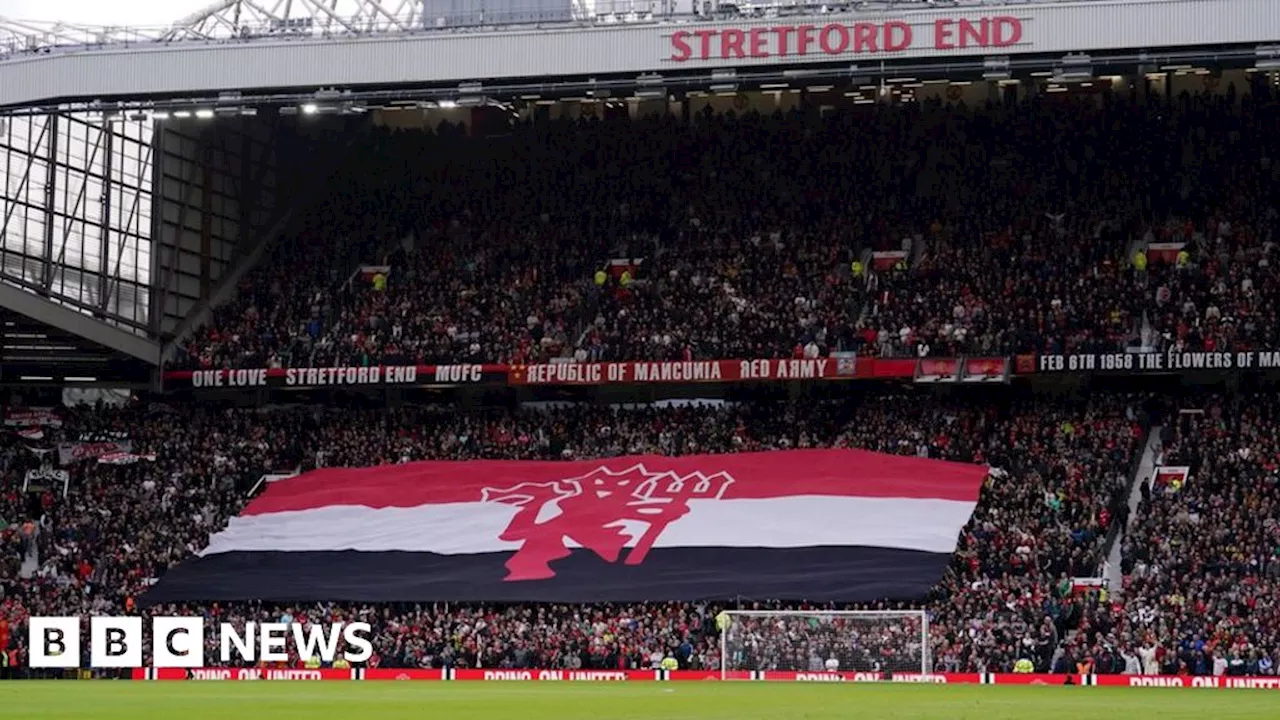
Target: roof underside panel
[(73, 324), (35, 353), (217, 191)]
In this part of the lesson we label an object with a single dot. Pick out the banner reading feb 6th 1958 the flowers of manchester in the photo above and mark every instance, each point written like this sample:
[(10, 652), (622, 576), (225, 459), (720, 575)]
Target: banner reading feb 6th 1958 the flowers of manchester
[(1173, 361)]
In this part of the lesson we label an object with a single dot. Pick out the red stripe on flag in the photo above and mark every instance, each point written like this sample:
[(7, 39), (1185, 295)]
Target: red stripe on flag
[(849, 473)]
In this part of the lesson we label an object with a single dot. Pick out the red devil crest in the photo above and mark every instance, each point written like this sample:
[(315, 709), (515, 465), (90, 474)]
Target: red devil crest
[(595, 511)]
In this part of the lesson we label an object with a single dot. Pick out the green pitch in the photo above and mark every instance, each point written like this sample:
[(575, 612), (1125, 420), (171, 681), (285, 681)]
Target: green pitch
[(389, 700)]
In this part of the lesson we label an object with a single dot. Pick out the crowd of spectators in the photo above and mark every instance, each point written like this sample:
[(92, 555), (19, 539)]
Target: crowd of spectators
[(749, 226), (1202, 557), (1043, 514)]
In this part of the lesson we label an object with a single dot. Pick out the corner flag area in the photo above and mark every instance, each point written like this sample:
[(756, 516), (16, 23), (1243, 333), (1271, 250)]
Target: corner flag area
[(702, 701)]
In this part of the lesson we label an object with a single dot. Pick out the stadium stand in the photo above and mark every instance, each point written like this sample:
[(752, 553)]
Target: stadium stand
[(1040, 228), (743, 258), (1043, 515), (408, 334)]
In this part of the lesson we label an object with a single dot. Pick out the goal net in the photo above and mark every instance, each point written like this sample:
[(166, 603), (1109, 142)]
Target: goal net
[(833, 643)]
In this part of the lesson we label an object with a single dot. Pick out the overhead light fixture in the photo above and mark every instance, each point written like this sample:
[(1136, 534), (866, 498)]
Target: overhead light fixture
[(1268, 57), (996, 68), (1074, 68), (1068, 75), (310, 108), (204, 113), (182, 114)]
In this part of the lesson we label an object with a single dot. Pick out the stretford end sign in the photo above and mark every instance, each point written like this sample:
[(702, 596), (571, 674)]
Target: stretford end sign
[(836, 38)]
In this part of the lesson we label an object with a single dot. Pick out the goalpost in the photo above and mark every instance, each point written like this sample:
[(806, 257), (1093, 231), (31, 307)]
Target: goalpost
[(854, 641)]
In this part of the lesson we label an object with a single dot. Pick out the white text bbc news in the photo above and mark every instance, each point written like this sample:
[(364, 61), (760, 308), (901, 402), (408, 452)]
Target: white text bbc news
[(179, 642)]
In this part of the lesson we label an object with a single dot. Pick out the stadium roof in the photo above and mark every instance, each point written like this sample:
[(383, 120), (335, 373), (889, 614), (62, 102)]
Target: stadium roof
[(284, 19)]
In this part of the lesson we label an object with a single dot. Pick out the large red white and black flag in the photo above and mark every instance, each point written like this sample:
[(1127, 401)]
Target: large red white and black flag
[(819, 525)]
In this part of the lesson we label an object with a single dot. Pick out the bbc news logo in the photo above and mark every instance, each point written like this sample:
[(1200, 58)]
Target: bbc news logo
[(179, 642)]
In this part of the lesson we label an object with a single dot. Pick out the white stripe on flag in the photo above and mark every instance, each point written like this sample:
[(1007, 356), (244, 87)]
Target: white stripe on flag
[(466, 528)]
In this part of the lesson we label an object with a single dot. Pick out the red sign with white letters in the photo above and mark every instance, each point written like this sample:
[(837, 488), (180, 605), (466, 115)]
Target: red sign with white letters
[(607, 373), (534, 675)]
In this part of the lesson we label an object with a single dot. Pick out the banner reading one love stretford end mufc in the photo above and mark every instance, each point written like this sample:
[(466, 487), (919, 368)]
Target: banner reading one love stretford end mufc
[(813, 524)]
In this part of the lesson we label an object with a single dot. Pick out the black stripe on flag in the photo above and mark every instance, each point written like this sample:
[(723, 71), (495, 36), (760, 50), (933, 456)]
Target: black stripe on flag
[(820, 574)]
